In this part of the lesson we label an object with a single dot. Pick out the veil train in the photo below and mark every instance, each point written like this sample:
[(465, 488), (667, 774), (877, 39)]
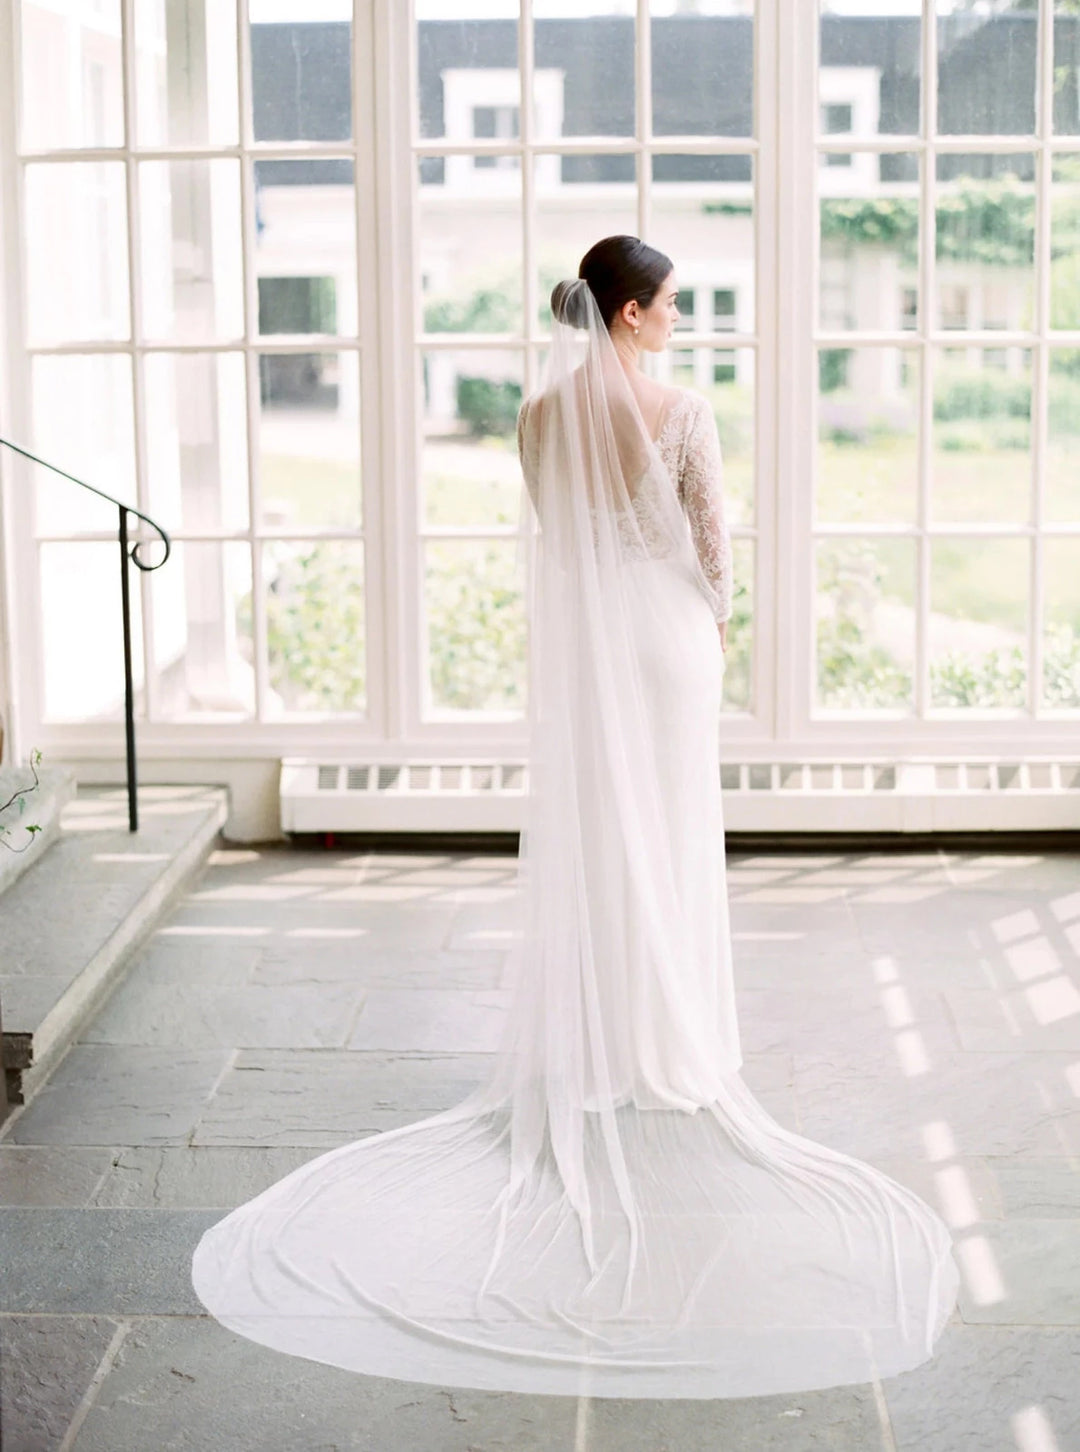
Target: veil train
[(612, 1212)]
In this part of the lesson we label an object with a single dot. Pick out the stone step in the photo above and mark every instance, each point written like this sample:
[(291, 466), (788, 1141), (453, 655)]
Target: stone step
[(69, 925), (40, 807)]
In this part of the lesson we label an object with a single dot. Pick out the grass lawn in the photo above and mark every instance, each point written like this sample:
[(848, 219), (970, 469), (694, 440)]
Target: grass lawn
[(309, 493), (477, 482), (971, 579)]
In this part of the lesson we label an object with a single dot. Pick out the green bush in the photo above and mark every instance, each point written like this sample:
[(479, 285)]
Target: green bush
[(315, 629), (833, 369), (489, 406), (1061, 667), (854, 672), (996, 678), (961, 392), (1063, 395), (476, 627), (988, 436)]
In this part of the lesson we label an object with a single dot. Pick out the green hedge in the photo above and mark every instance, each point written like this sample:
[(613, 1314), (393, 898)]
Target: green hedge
[(489, 406)]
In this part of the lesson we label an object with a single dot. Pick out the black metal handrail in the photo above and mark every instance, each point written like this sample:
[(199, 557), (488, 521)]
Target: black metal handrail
[(127, 552)]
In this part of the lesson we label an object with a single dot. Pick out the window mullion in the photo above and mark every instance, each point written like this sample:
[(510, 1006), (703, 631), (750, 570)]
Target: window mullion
[(926, 329), (394, 70), (134, 252), (1040, 370), (796, 267), (248, 233), (529, 290), (766, 502), (21, 687), (370, 380), (643, 113)]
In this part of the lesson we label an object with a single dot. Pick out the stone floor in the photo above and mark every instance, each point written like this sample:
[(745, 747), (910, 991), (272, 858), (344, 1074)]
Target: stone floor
[(920, 1011)]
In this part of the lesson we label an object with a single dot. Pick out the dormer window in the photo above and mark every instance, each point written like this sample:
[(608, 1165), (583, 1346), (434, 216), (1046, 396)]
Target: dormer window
[(836, 120), (496, 123)]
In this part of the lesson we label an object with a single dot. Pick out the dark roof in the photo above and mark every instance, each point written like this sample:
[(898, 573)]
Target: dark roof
[(300, 78)]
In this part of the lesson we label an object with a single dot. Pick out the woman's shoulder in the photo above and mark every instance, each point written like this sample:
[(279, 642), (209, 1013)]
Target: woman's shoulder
[(685, 408), (692, 399)]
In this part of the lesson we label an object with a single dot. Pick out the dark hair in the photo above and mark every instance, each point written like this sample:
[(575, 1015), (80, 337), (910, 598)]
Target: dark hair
[(616, 269)]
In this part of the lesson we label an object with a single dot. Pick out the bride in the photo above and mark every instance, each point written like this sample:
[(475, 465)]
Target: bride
[(611, 1213)]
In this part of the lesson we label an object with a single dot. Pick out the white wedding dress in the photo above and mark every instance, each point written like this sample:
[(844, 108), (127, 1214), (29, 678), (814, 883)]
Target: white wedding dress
[(612, 1213)]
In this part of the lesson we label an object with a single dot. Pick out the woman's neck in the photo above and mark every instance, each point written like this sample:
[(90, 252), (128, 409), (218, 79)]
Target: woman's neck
[(628, 354)]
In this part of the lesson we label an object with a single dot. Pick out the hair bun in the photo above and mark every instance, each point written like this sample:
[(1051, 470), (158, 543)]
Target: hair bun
[(569, 304)]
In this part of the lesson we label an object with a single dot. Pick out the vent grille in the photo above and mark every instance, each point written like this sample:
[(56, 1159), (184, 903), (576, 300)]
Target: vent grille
[(930, 776), (500, 776), (756, 776), (489, 795)]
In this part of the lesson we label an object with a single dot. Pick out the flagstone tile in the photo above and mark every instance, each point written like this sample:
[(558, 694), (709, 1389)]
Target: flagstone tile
[(298, 1097), (116, 1094)]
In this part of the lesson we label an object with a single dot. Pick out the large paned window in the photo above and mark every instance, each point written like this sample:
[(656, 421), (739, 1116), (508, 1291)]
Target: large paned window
[(623, 120), (278, 274), (946, 508), (192, 301)]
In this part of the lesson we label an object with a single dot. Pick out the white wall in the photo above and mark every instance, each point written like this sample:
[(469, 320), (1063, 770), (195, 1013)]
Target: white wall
[(254, 808)]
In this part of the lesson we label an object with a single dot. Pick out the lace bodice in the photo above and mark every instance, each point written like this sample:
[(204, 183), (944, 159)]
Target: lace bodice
[(689, 447)]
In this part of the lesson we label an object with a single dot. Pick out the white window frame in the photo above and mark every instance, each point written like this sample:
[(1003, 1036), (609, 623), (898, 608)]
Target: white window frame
[(786, 148), (464, 88), (968, 731)]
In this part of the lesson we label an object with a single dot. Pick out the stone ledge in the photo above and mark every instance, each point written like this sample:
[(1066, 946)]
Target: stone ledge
[(69, 925)]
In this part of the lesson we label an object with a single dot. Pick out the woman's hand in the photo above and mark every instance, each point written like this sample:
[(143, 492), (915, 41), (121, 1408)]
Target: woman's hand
[(723, 635)]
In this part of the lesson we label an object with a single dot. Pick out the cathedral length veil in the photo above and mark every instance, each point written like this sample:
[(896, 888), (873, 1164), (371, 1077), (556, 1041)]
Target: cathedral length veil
[(612, 1212)]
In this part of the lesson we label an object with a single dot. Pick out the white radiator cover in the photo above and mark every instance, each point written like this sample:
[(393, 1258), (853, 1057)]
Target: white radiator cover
[(488, 795)]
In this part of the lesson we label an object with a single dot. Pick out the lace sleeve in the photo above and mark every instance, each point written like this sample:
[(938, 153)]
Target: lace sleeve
[(701, 493), (527, 451)]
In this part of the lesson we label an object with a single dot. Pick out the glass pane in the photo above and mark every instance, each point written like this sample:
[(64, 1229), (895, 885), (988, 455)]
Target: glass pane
[(1066, 68), (1065, 241), (467, 71), (301, 73), (82, 657), (72, 75), (868, 417), (196, 441), (1061, 629), (985, 241), (869, 272), (978, 622), (191, 278), (579, 200), (315, 626), (981, 466), (870, 71), (306, 249), (309, 441), (739, 659), (469, 231), (475, 627), (76, 252), (703, 218), (203, 657), (185, 73), (726, 377), (584, 63), (866, 624), (469, 463), (84, 424), (702, 69), (1062, 496), (986, 68)]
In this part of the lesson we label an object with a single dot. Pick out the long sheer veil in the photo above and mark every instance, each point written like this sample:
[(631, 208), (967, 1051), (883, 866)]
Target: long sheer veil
[(611, 1211)]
